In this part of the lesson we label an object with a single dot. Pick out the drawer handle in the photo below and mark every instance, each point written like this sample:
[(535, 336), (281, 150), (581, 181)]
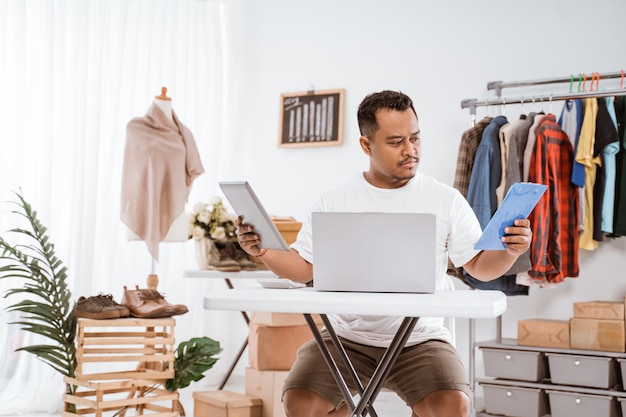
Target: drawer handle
[(509, 394), (578, 401), (507, 357), (576, 362)]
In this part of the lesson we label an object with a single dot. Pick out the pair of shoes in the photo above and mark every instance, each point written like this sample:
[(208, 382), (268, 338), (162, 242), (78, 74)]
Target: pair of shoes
[(243, 259), (100, 306), (147, 303), (224, 260), (236, 257)]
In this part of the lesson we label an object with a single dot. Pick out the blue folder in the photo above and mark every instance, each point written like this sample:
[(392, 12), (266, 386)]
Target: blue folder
[(518, 203)]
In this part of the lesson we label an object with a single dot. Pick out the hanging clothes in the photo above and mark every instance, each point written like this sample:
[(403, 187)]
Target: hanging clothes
[(554, 249), (530, 146), (619, 218), (161, 161), (510, 175), (519, 138), (571, 120), (484, 179), (585, 156), (506, 153), (470, 139), (607, 140)]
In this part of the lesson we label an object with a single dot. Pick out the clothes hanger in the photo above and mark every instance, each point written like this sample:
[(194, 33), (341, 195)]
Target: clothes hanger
[(550, 106)]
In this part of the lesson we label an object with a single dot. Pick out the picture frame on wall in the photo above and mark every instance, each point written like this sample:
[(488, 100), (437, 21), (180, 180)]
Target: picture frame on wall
[(311, 118)]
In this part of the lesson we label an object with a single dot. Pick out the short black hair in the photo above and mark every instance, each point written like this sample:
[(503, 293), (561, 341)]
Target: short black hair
[(372, 103)]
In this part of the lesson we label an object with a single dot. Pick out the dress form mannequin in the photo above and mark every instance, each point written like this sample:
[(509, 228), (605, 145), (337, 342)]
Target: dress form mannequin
[(179, 229)]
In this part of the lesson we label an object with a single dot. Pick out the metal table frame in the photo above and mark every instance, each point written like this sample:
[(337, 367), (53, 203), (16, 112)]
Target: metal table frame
[(459, 303)]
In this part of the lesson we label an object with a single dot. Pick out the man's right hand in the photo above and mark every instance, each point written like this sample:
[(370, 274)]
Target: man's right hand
[(248, 239)]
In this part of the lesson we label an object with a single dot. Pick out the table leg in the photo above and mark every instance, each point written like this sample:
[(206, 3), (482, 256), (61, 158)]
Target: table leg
[(241, 350), (386, 363), (344, 358), (330, 361), (368, 395)]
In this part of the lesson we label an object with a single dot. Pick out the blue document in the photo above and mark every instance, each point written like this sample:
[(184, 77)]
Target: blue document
[(518, 203)]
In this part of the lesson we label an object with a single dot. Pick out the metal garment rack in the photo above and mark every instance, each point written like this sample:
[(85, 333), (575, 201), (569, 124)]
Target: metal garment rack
[(497, 86)]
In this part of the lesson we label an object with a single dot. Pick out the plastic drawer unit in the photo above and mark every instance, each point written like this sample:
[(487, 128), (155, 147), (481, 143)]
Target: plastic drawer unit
[(515, 364), (515, 401), (573, 404), (580, 370)]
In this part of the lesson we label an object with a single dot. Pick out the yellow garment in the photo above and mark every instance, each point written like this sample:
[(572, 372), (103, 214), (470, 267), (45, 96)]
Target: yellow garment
[(161, 161), (584, 155)]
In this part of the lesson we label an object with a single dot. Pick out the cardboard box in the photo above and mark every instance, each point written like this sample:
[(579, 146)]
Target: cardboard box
[(267, 385), (543, 333), (274, 348), (599, 310), (598, 334), (225, 404), (288, 228), (281, 319)]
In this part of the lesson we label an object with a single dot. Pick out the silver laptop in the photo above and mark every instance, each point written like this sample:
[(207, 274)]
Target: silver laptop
[(374, 252)]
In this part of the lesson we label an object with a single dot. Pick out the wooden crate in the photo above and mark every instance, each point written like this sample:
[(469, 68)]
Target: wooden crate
[(120, 398), (128, 348)]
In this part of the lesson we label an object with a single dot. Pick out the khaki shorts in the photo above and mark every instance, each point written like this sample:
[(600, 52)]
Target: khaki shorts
[(420, 370)]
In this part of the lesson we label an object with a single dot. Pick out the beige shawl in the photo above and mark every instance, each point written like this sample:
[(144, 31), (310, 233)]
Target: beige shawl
[(161, 161)]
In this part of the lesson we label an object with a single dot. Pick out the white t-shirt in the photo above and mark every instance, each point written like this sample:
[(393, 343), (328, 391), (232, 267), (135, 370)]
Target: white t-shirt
[(457, 231)]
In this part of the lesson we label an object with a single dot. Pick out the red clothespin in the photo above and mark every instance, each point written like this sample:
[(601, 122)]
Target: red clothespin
[(621, 81), (584, 82)]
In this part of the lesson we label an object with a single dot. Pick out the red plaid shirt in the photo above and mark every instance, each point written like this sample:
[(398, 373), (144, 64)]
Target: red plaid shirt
[(554, 250)]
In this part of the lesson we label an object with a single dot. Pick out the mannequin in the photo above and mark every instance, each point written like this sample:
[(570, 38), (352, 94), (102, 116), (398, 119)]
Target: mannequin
[(179, 230), (161, 161)]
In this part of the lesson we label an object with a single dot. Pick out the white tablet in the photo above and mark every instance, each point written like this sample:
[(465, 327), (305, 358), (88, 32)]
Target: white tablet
[(245, 203)]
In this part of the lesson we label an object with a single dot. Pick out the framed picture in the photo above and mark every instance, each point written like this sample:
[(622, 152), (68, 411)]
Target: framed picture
[(311, 118)]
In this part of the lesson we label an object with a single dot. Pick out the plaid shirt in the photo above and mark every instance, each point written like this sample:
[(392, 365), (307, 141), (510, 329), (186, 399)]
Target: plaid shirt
[(554, 250), (470, 139)]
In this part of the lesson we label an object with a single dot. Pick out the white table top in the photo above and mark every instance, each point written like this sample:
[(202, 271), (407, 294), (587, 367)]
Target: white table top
[(456, 303)]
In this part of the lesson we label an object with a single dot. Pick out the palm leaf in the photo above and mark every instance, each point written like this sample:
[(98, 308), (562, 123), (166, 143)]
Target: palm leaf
[(191, 359), (47, 309)]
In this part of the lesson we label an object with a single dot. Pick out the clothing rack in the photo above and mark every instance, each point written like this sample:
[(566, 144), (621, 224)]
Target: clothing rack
[(497, 86), (473, 103)]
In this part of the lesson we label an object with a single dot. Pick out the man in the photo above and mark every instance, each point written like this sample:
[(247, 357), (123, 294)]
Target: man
[(429, 374)]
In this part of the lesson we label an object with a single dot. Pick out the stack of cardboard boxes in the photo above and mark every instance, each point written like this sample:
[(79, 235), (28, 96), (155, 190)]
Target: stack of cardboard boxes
[(273, 342), (595, 325)]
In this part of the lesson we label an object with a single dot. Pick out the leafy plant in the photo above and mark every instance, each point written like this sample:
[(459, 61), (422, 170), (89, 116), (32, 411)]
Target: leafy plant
[(191, 359), (46, 307)]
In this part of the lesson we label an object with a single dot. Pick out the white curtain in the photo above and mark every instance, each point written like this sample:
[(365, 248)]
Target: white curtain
[(74, 72)]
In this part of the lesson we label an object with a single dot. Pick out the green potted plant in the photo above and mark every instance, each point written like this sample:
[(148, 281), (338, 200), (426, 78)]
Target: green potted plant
[(47, 308)]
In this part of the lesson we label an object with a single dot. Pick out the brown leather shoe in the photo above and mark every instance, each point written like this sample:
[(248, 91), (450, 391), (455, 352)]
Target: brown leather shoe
[(97, 307), (143, 305), (176, 309)]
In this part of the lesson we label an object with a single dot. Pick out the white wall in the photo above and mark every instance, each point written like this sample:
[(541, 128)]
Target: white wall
[(438, 52)]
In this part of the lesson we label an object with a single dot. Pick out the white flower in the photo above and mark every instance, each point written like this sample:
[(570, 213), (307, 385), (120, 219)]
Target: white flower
[(204, 217), (231, 217), (197, 232), (215, 200), (219, 233)]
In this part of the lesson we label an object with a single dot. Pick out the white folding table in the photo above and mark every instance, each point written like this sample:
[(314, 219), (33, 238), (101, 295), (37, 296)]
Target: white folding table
[(455, 303)]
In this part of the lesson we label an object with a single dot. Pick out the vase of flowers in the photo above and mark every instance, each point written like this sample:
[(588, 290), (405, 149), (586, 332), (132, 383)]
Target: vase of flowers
[(214, 231)]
